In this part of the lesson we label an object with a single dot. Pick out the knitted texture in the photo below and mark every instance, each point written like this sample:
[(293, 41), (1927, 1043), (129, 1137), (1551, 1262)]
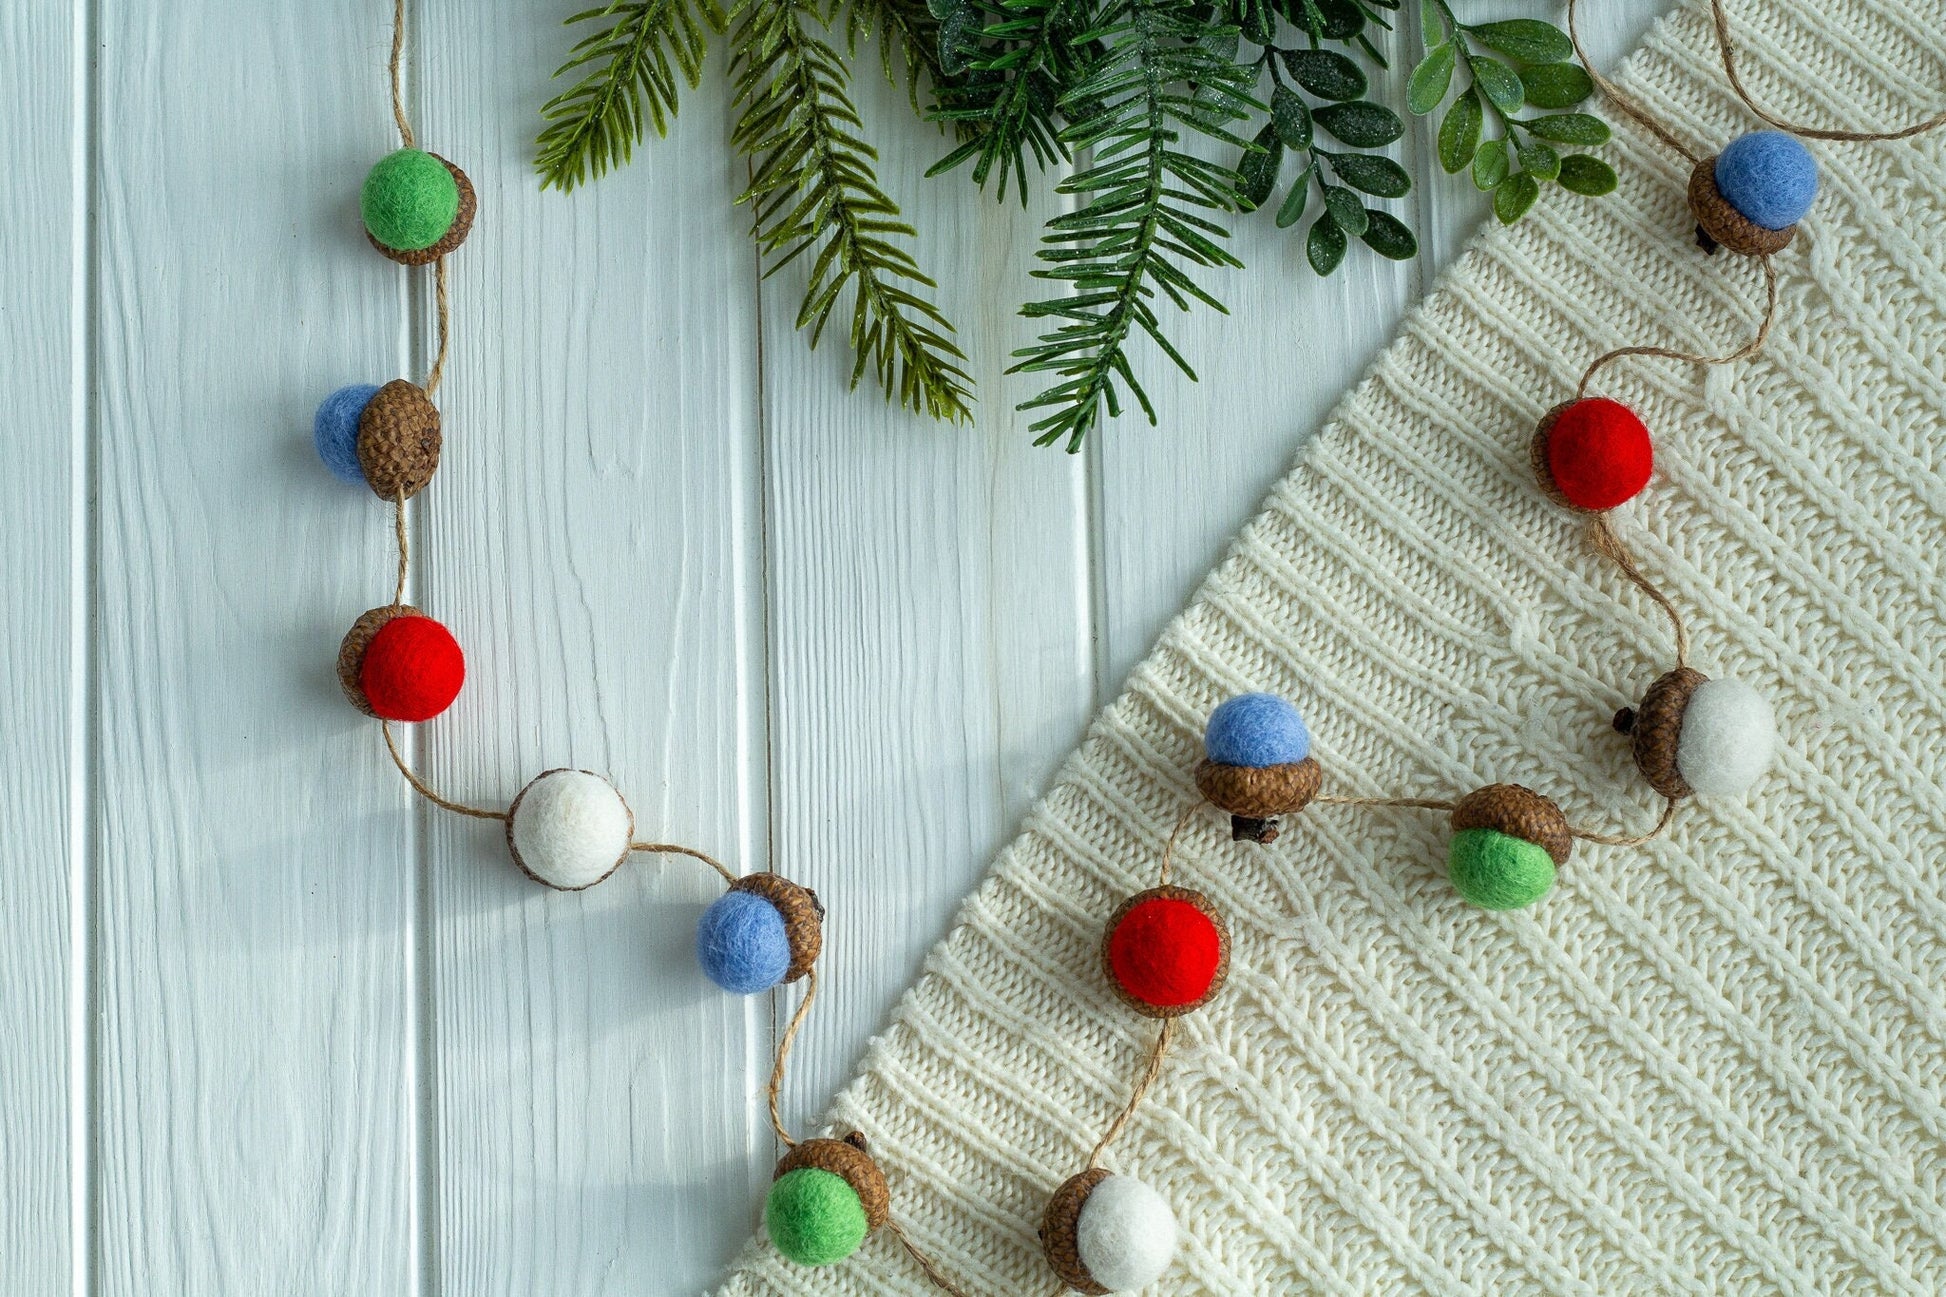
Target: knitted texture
[(1710, 1064)]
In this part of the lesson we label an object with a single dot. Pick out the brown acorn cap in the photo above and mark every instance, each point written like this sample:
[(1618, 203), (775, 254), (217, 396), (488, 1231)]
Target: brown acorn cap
[(1655, 727), (1724, 223), (398, 440), (803, 917), (351, 650), (514, 851), (1537, 456), (1518, 812), (1202, 903), (848, 1159), (1260, 792), (469, 205), (1059, 1241)]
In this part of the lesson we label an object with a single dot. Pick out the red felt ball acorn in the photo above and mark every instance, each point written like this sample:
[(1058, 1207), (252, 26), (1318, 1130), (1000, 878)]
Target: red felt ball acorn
[(1592, 454), (1166, 951), (398, 664)]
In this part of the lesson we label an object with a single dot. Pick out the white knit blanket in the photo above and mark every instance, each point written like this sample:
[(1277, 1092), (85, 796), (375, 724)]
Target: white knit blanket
[(1714, 1064)]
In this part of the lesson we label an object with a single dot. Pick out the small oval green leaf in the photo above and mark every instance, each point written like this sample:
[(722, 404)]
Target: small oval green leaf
[(1291, 118), (1342, 19), (1258, 169), (1325, 246), (1570, 128), (1380, 177), (1490, 165), (1498, 83), (1539, 161), (1293, 206), (1325, 73), (1591, 176), (1527, 40), (1345, 209), (1430, 81), (1388, 236), (1361, 124), (1459, 133), (1556, 85), (1514, 196)]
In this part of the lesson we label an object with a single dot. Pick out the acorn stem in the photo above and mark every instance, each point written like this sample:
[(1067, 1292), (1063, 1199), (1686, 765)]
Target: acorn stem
[(1245, 829), (1624, 721)]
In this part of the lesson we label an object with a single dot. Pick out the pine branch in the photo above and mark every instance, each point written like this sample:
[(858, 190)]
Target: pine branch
[(905, 29), (1018, 56), (595, 123), (813, 189), (1161, 72)]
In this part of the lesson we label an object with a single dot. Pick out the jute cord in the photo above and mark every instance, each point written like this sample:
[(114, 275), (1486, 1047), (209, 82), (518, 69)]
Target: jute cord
[(1744, 352), (1727, 48), (1143, 1085), (1601, 534), (783, 1054), (420, 786), (676, 849)]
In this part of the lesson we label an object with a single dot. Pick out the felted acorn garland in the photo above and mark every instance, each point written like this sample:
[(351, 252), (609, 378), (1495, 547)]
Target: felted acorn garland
[(1165, 951)]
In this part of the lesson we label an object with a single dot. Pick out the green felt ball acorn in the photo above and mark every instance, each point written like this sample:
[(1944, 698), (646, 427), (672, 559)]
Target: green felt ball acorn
[(828, 1195), (417, 206), (1507, 842)]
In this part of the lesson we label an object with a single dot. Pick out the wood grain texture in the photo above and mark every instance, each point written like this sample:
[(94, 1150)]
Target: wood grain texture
[(334, 1040), (595, 541), (42, 322), (255, 915)]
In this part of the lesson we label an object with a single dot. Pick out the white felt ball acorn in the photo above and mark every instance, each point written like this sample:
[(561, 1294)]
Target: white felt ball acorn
[(1695, 735), (569, 829), (1106, 1233)]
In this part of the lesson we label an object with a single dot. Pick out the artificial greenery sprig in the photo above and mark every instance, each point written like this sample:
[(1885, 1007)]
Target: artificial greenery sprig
[(1118, 88), (1535, 70)]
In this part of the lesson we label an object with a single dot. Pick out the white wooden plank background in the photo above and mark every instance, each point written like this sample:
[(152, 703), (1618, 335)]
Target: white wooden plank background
[(271, 1026)]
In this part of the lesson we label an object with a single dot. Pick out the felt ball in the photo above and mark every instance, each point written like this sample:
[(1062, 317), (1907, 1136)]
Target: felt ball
[(1166, 950), (335, 430), (1256, 730), (412, 669), (814, 1217), (1598, 453), (1727, 737), (741, 943), (1496, 871), (410, 200), (1125, 1235), (1769, 177), (569, 829)]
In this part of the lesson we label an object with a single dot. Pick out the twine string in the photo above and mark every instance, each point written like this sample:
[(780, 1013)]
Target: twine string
[(405, 545), (1626, 839), (1416, 803), (1169, 847), (1727, 48), (926, 1264), (1609, 545), (677, 849), (784, 1052), (1622, 99), (1747, 350), (443, 304), (1141, 1091), (424, 790), (398, 57)]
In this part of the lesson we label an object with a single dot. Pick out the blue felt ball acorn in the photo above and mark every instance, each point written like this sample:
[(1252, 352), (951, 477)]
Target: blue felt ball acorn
[(1257, 764), (1750, 197), (763, 932)]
